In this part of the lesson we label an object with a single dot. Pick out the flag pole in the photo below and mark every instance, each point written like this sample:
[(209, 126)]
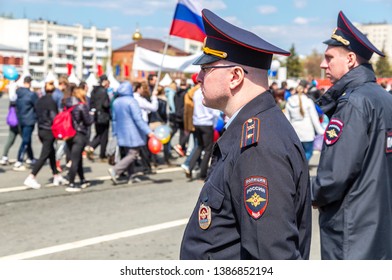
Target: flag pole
[(160, 67)]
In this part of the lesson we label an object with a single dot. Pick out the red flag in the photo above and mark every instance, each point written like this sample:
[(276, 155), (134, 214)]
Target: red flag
[(126, 70), (69, 68), (100, 70)]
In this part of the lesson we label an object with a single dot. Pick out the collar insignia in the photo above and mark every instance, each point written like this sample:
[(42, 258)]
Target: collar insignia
[(333, 131)]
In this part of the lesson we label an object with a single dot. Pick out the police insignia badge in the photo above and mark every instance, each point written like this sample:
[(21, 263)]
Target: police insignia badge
[(204, 216), (255, 196), (333, 131), (388, 143), (250, 132)]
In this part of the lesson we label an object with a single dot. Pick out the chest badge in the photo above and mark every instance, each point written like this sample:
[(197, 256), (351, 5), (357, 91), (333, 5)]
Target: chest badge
[(204, 216), (333, 131), (250, 132), (256, 196)]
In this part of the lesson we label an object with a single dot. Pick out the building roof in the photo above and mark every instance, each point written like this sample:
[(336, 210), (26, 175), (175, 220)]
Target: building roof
[(152, 45), (12, 49)]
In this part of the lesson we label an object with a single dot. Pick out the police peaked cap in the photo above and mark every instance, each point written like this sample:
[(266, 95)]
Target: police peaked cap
[(229, 42), (347, 35)]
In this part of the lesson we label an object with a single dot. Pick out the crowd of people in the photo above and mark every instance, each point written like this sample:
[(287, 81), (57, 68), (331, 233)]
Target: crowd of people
[(101, 119)]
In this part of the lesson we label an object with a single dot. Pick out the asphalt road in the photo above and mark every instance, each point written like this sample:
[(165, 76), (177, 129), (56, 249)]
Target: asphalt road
[(141, 221)]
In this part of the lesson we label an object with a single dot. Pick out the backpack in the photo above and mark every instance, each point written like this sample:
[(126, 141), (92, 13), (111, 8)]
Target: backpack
[(62, 126)]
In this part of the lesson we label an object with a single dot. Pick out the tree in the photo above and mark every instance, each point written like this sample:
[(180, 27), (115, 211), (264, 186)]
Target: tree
[(383, 68), (312, 64), (293, 64)]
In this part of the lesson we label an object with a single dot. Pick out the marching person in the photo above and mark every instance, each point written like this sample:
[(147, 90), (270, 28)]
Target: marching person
[(353, 187), (129, 128), (255, 202), (46, 109)]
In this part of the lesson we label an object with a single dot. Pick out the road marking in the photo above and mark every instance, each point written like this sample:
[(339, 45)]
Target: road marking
[(94, 240), (101, 178)]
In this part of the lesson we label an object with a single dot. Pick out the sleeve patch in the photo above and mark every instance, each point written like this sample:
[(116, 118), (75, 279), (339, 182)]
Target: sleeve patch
[(256, 196), (333, 131)]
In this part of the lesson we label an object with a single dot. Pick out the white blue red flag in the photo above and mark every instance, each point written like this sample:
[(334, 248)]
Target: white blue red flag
[(187, 21)]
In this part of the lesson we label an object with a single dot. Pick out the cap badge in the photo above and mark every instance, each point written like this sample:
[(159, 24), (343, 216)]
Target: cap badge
[(339, 38), (333, 131), (204, 216), (256, 196), (250, 132)]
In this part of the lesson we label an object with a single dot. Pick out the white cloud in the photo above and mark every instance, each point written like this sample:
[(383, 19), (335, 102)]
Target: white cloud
[(305, 38), (214, 5), (300, 4), (265, 10), (301, 20)]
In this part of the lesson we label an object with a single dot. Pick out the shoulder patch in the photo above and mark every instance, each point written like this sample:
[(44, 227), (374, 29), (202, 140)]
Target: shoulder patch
[(388, 143), (250, 132), (256, 196), (333, 131)]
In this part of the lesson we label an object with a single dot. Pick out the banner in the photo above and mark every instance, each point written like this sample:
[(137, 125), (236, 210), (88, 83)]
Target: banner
[(146, 60)]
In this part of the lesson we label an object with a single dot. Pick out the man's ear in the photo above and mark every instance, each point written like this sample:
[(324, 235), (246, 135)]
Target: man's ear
[(237, 77), (352, 60)]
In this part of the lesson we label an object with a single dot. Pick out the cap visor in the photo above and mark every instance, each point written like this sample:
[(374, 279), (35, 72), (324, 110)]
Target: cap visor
[(205, 59)]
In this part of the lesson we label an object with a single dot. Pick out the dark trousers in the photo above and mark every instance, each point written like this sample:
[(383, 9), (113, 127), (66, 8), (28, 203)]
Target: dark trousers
[(47, 152), (101, 138), (25, 146), (76, 146), (205, 141)]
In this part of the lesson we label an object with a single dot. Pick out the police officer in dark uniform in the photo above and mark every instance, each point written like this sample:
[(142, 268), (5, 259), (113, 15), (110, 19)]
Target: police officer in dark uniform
[(353, 187), (255, 202)]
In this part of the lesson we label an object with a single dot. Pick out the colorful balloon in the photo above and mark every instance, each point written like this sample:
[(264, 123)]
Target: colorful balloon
[(162, 132), (165, 140), (154, 145), (3, 84), (10, 72)]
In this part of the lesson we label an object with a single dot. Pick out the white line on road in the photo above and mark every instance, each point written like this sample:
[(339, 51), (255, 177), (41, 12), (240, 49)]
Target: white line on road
[(94, 240), (102, 178)]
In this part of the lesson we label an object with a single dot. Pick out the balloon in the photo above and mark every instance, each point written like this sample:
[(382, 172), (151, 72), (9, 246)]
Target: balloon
[(220, 124), (165, 140), (10, 72), (162, 132), (3, 84), (216, 135), (154, 145)]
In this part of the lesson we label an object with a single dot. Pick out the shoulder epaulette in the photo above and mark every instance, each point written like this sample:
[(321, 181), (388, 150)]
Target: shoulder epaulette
[(250, 132)]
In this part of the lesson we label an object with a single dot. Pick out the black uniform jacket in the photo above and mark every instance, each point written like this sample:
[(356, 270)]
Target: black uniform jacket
[(257, 194), (353, 187)]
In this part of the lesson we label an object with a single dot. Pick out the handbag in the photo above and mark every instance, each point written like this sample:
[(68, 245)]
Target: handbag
[(12, 118)]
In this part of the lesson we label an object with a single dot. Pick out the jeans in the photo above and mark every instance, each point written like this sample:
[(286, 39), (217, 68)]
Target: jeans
[(308, 147), (25, 146)]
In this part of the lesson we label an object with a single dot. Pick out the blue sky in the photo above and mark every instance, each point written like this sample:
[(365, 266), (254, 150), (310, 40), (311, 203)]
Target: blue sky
[(304, 23)]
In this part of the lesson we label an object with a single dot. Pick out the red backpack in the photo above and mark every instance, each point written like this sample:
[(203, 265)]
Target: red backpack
[(62, 127)]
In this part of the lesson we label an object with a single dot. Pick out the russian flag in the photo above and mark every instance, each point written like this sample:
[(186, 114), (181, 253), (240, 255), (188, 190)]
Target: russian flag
[(187, 21)]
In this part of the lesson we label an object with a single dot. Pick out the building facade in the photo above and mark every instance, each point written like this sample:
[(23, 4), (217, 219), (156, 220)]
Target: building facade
[(57, 48), (380, 34)]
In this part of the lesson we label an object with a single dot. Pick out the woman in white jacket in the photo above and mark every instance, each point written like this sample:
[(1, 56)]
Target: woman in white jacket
[(301, 112)]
